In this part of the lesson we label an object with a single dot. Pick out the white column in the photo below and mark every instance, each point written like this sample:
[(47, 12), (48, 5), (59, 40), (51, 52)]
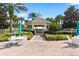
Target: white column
[(42, 30), (45, 27), (35, 30), (32, 27)]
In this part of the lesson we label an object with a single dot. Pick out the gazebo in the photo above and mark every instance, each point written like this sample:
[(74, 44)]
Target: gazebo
[(38, 25)]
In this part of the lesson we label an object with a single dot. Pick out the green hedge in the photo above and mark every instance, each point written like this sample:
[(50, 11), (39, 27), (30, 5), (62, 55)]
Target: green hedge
[(6, 36), (59, 32), (57, 37)]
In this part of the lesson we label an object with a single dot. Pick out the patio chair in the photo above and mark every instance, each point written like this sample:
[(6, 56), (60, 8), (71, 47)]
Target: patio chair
[(12, 40), (10, 43)]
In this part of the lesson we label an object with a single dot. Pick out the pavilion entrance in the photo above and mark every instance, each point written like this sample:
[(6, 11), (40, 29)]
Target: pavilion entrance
[(39, 29)]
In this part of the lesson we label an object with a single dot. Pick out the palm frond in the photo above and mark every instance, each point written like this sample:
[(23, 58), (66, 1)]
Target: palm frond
[(17, 10), (19, 4), (20, 7)]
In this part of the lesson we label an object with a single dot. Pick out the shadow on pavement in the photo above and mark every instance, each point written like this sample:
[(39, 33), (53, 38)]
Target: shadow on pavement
[(43, 37), (73, 46), (4, 46)]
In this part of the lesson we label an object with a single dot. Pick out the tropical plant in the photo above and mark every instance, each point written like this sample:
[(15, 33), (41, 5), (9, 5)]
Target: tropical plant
[(50, 19), (59, 17), (18, 7), (10, 7), (21, 18), (53, 27), (34, 15), (15, 18), (71, 16), (59, 20), (3, 18)]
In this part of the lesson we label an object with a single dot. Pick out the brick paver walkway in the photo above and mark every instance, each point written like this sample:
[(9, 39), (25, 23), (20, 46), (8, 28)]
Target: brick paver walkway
[(40, 48), (37, 38)]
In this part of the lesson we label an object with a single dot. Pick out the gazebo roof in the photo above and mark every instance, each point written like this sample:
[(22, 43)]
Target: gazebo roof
[(39, 21)]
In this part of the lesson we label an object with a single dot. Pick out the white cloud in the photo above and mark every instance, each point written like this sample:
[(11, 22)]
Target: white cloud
[(73, 3), (22, 15)]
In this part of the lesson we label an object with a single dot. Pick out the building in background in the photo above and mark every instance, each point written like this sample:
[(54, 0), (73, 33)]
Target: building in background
[(38, 25)]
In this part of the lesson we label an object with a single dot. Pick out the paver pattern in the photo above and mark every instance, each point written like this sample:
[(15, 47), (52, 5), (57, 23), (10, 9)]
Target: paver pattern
[(37, 38), (40, 48)]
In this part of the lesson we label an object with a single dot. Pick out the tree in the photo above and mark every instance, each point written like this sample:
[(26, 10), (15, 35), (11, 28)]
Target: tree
[(59, 20), (34, 15), (53, 27), (71, 16), (3, 18), (50, 19), (21, 18), (15, 18), (17, 7)]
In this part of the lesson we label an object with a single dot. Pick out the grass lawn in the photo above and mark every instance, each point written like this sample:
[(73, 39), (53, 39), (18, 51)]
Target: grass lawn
[(5, 36)]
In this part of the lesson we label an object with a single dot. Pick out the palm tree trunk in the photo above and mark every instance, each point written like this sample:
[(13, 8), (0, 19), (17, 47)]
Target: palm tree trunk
[(11, 13), (11, 25)]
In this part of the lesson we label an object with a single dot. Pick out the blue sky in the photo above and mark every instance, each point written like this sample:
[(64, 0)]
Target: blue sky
[(45, 9)]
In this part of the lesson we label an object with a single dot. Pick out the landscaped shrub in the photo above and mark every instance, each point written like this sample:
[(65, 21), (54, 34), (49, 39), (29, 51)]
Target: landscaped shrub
[(59, 32), (52, 37), (6, 36), (61, 37), (3, 39), (28, 37)]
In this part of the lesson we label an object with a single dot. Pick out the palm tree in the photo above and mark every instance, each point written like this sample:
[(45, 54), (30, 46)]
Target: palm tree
[(15, 18), (3, 17), (34, 15), (21, 18), (18, 7), (50, 19), (10, 9), (59, 20), (59, 17)]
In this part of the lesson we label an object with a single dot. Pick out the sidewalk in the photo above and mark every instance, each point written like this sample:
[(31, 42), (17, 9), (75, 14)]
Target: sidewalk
[(40, 48), (37, 38)]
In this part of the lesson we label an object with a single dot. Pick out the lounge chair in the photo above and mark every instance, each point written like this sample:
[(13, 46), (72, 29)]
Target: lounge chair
[(21, 41), (73, 41), (69, 40), (12, 40)]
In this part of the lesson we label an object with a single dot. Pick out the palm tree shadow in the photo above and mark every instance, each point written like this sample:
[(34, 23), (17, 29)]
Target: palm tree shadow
[(5, 46)]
